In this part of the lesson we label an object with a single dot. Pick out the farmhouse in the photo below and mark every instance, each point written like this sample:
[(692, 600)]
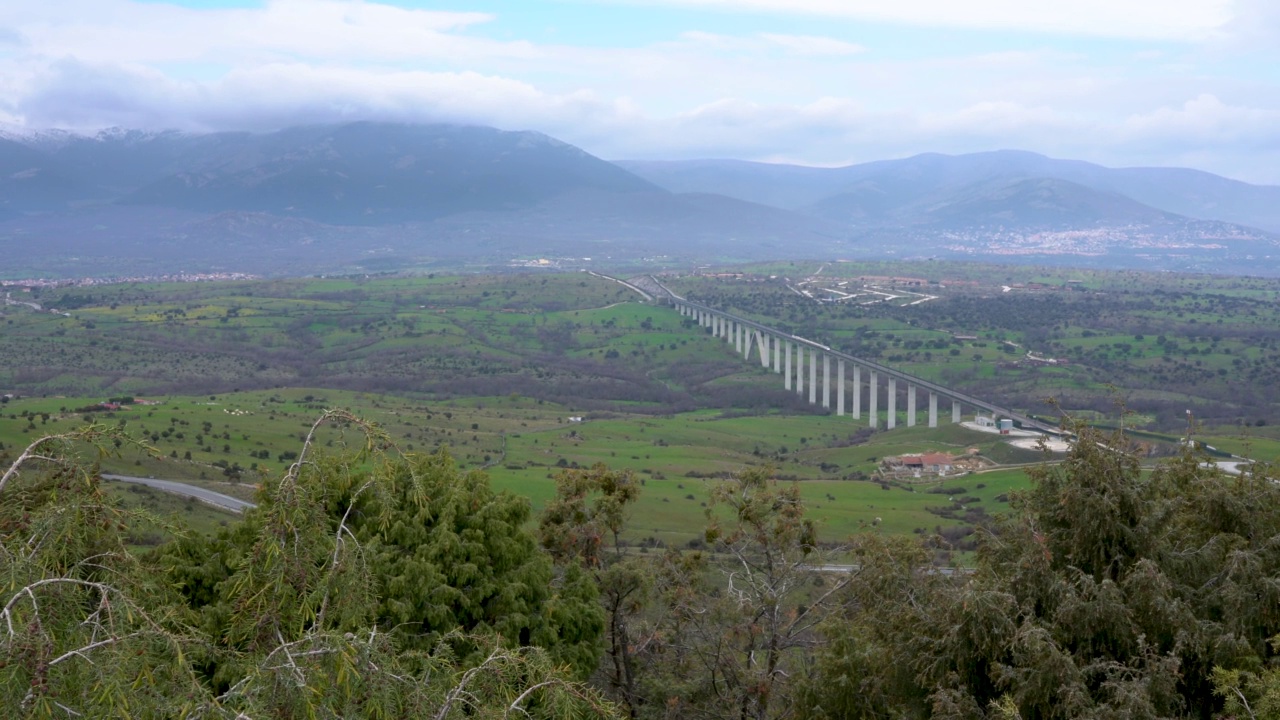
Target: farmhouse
[(936, 463), (930, 464)]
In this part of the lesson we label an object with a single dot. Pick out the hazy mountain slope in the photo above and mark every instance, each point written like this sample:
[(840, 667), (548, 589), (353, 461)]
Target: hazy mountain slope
[(377, 196), (689, 225), (784, 186), (31, 180), (117, 162), (368, 173), (796, 186), (1032, 203), (1198, 194), (877, 189)]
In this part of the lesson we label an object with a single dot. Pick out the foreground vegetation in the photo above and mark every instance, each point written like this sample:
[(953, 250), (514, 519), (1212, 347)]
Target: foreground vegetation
[(379, 584), (310, 607)]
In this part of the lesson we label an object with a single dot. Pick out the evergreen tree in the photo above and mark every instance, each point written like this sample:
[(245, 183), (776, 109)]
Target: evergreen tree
[(1105, 592), (277, 618)]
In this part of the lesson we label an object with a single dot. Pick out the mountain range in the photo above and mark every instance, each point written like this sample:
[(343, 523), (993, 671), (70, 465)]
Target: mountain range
[(376, 196), (908, 189)]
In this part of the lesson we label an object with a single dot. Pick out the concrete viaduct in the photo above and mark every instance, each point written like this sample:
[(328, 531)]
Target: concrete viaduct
[(788, 354)]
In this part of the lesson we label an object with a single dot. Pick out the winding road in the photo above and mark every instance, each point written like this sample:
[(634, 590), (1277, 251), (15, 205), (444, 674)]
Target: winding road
[(226, 502)]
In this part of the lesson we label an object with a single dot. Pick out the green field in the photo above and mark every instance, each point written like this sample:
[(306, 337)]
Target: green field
[(231, 376), (522, 444), (1159, 343)]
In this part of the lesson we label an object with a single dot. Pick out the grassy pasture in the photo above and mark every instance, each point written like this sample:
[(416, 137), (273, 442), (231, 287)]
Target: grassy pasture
[(494, 367), (676, 457)]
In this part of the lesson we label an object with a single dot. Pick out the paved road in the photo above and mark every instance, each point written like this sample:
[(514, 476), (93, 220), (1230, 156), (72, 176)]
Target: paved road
[(10, 301), (226, 502)]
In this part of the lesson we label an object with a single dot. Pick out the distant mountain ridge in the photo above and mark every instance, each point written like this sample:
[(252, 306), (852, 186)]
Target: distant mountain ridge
[(355, 174), (895, 186), (364, 195)]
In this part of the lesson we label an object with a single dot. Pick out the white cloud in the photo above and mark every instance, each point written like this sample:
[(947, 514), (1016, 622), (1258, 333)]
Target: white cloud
[(1167, 19), (1254, 28), (759, 95), (1206, 121), (813, 44), (807, 45), (330, 30), (81, 95)]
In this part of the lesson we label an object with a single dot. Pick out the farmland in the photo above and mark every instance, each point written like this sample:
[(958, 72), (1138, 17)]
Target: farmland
[(227, 378)]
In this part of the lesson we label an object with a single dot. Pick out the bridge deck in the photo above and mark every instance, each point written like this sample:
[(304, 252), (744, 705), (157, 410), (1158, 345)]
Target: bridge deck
[(870, 364)]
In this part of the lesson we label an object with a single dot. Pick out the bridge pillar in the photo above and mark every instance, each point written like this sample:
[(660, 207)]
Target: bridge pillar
[(955, 411), (799, 369), (786, 376), (933, 410), (873, 401), (763, 339), (826, 380), (911, 405), (813, 376), (839, 387), (737, 335), (748, 339), (893, 403), (857, 392), (777, 353)]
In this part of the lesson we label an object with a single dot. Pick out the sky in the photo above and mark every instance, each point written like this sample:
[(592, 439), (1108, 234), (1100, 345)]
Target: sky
[(1192, 83)]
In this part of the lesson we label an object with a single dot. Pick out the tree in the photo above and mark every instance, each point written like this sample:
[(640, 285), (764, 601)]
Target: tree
[(587, 516), (755, 628), (276, 619), (1106, 592)]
